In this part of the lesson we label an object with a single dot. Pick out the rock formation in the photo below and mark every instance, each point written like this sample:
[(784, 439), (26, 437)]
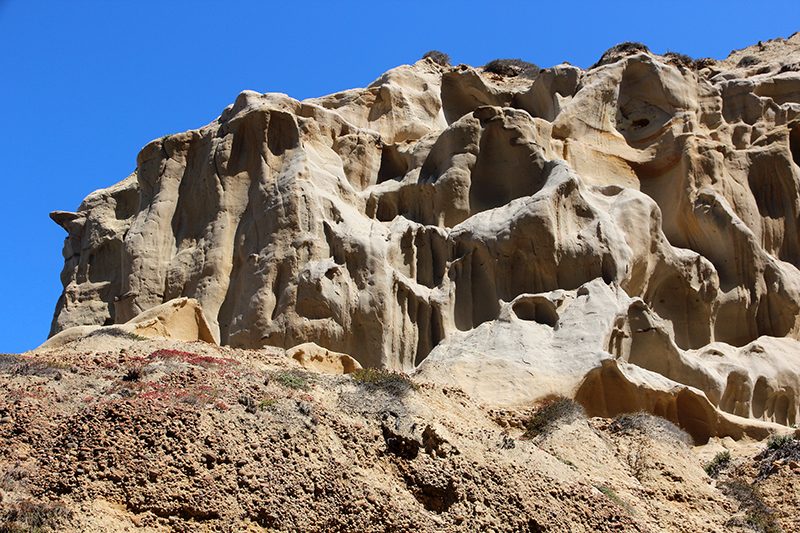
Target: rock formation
[(626, 235)]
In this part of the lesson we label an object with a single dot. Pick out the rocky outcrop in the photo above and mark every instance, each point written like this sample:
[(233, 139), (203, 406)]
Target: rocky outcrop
[(409, 222), (180, 319)]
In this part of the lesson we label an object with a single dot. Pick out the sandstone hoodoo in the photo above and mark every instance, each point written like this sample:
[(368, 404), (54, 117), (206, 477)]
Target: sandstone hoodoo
[(624, 235)]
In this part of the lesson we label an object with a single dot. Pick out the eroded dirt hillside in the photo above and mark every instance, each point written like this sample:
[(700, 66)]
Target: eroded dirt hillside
[(115, 432)]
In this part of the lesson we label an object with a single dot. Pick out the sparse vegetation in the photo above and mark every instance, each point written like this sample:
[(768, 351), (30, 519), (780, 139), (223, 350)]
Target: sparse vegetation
[(621, 50), (748, 61), (266, 403), (757, 515), (117, 332), (512, 67), (134, 373), (384, 378), (719, 463), (611, 494), (780, 450), (653, 426), (32, 517), (438, 57), (193, 359), (295, 379), (546, 416), (681, 60), (778, 441), (37, 367)]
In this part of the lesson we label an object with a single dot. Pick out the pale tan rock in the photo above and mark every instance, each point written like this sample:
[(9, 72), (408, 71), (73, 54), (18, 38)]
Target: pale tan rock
[(180, 319), (414, 220), (66, 336), (315, 357)]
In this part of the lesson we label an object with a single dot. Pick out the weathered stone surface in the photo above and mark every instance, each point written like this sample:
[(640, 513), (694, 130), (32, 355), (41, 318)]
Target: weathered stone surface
[(315, 357), (446, 212), (180, 319)]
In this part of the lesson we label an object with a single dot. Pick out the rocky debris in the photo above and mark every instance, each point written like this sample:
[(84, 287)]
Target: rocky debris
[(170, 436)]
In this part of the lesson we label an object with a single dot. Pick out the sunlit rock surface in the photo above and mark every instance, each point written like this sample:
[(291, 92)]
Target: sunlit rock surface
[(626, 235)]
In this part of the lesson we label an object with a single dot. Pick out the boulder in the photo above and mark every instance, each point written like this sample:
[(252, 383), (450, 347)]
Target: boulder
[(315, 357)]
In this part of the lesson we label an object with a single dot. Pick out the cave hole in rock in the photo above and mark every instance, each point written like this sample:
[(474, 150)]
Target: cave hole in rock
[(431, 257), (761, 393), (505, 169), (393, 165), (335, 248), (794, 143), (430, 331), (282, 133), (640, 123), (692, 417), (784, 409), (606, 392), (539, 310), (736, 397), (279, 284)]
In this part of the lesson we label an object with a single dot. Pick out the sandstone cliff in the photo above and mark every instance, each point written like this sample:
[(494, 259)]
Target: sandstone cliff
[(626, 235)]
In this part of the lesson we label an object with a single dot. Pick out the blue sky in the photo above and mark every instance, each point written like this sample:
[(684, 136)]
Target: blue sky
[(85, 85)]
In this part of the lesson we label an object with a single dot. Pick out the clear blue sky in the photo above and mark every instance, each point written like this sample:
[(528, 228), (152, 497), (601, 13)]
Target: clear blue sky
[(84, 85)]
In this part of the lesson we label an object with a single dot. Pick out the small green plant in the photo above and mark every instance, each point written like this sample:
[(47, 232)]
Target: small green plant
[(779, 441), (611, 494), (165, 138), (719, 463), (295, 379), (438, 57), (382, 377), (565, 461), (546, 416), (266, 403), (512, 67)]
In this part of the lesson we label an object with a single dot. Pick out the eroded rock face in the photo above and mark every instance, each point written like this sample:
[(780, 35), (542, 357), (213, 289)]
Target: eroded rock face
[(412, 218)]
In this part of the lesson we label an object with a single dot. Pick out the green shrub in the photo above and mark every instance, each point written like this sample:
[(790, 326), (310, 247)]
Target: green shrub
[(778, 441), (719, 463), (780, 450), (619, 51), (681, 60), (512, 67), (266, 403), (384, 378), (295, 379), (546, 416), (438, 57)]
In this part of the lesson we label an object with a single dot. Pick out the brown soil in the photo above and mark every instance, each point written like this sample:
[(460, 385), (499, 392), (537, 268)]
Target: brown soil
[(125, 434)]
